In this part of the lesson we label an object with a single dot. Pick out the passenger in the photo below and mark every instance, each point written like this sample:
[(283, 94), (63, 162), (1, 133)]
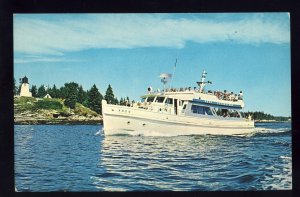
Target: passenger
[(219, 94), (225, 95), (231, 96), (236, 97), (240, 95)]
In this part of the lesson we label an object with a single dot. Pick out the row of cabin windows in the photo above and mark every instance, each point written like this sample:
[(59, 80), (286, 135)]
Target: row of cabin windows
[(201, 110), (161, 100), (220, 112)]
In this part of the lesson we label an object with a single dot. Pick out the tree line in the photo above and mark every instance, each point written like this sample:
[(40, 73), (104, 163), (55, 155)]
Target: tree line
[(73, 92), (260, 115)]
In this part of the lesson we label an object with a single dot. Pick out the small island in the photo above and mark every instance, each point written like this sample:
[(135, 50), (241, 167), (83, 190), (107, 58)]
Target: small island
[(69, 104), (30, 110)]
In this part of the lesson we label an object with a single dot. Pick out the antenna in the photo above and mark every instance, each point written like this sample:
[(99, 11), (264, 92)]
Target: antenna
[(164, 78), (174, 68)]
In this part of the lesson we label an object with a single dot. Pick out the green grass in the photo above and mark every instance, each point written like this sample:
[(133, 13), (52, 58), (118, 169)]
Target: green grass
[(83, 111), (24, 104), (50, 104), (31, 104)]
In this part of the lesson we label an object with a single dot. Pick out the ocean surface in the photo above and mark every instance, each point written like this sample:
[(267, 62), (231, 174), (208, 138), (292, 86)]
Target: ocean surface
[(80, 158)]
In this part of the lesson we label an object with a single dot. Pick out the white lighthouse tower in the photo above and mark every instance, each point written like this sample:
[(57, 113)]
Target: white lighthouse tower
[(25, 87)]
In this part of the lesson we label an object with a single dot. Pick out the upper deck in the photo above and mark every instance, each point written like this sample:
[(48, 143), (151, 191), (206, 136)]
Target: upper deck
[(215, 99)]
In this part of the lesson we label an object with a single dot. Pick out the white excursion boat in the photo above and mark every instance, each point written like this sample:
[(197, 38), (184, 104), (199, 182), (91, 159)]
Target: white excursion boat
[(183, 111)]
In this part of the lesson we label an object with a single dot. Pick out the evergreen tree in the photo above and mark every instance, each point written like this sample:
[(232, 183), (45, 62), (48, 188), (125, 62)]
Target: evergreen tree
[(122, 101), (94, 99), (71, 91), (60, 93), (85, 102), (34, 91), (15, 87), (116, 101), (70, 100), (109, 95), (82, 96), (53, 92), (41, 91), (127, 101)]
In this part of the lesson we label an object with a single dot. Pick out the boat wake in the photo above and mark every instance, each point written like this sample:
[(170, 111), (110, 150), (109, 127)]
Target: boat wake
[(261, 132)]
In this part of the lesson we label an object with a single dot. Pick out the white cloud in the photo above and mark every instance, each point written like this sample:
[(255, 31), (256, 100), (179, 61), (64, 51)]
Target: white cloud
[(55, 37), (29, 59)]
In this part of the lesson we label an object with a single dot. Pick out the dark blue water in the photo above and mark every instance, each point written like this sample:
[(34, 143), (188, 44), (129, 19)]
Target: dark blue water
[(78, 158)]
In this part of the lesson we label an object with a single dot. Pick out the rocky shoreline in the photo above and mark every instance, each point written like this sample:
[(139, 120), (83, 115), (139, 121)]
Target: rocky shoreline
[(42, 121)]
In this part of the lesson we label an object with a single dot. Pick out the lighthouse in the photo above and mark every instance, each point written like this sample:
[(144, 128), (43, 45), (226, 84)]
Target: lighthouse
[(25, 87)]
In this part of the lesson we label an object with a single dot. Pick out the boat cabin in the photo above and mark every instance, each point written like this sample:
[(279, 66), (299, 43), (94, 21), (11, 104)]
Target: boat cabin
[(170, 104)]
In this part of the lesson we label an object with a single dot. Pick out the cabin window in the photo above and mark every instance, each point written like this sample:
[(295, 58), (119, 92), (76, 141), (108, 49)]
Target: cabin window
[(234, 113), (201, 110), (143, 100), (160, 99), (150, 99), (218, 111), (180, 102), (169, 101)]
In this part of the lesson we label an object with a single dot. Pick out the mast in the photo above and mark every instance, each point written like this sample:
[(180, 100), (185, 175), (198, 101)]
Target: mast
[(202, 83), (174, 70)]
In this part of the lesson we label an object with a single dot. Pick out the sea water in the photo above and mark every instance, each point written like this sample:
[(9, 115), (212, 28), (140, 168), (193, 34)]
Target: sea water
[(81, 158)]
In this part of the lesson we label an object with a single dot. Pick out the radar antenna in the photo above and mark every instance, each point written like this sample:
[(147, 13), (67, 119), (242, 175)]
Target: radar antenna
[(165, 78)]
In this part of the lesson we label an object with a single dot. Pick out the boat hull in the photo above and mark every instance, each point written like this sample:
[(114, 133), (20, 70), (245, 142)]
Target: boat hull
[(134, 121)]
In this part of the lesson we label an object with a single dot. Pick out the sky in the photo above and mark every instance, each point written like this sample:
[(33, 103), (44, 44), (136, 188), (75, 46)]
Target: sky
[(239, 51)]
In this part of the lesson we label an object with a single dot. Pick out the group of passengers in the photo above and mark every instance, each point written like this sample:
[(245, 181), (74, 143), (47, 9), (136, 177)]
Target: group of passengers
[(227, 113), (180, 89), (221, 95), (227, 96)]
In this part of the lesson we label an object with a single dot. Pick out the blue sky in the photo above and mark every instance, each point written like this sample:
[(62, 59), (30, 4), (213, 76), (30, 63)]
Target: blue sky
[(245, 51)]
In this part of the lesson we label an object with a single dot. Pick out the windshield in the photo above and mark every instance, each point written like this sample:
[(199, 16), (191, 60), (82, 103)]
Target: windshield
[(160, 99), (150, 99)]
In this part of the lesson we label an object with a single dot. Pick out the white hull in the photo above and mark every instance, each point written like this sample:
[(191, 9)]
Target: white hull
[(135, 121)]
